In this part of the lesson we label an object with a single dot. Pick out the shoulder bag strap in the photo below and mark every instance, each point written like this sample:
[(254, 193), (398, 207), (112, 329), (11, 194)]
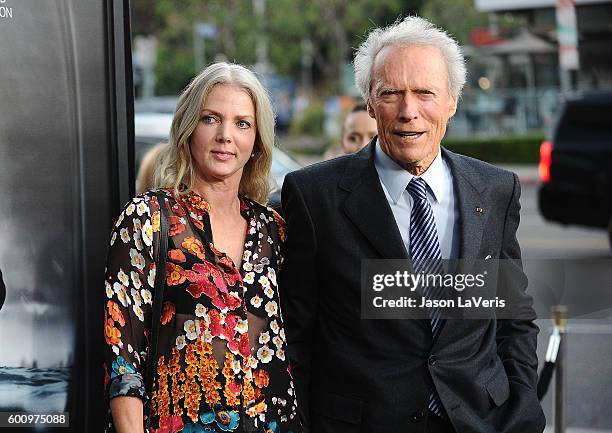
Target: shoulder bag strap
[(158, 297)]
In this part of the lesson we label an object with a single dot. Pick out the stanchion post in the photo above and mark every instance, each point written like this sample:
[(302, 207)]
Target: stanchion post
[(559, 315)]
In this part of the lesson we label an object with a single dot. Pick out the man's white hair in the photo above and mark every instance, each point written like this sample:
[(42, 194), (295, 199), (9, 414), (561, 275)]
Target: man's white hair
[(411, 30)]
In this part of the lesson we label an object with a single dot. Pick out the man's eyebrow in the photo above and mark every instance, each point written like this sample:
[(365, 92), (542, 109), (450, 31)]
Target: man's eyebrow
[(389, 89), (431, 89)]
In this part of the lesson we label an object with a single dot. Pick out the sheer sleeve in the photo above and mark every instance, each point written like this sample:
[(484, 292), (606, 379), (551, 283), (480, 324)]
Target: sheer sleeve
[(274, 390), (129, 282), (278, 238)]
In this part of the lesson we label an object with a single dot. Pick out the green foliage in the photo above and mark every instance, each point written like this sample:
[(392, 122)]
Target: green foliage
[(334, 28), (174, 69), (311, 120), (510, 150), (458, 17)]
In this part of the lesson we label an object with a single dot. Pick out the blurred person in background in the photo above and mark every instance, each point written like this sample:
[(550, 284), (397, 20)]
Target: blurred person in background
[(146, 173), (405, 197), (357, 131), (221, 363)]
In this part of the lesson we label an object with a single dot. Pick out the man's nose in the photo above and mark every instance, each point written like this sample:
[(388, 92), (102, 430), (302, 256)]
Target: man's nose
[(408, 108)]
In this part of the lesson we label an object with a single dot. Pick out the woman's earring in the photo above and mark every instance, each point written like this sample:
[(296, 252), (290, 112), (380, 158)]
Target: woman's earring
[(252, 154)]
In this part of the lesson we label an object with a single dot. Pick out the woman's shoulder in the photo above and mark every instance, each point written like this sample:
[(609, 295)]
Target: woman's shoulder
[(263, 212), (147, 201), (272, 219), (149, 194)]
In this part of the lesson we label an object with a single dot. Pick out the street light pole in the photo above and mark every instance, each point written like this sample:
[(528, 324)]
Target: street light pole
[(198, 49), (567, 37), (201, 31), (559, 313), (259, 7)]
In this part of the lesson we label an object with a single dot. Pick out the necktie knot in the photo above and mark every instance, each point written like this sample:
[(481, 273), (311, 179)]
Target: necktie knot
[(417, 188)]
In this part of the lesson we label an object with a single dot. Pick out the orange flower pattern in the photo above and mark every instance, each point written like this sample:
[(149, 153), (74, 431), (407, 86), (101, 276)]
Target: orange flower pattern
[(175, 275), (194, 246), (221, 344), (112, 334), (115, 312), (262, 378), (168, 311), (176, 255)]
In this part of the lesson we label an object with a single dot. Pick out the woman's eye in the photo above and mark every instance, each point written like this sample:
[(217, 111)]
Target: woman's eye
[(208, 119), (243, 124)]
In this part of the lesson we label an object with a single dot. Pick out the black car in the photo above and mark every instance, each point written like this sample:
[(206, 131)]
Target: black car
[(576, 164)]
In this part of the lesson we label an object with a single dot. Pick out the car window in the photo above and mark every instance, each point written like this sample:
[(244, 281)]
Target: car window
[(282, 163), (585, 125)]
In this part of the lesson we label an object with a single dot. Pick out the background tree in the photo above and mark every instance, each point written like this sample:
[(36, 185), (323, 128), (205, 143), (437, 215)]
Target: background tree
[(458, 17), (333, 27)]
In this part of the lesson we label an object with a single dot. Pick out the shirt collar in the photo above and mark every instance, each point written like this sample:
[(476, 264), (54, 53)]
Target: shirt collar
[(396, 179)]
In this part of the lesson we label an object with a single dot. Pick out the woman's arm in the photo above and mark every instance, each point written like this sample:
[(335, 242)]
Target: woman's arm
[(129, 282), (127, 414)]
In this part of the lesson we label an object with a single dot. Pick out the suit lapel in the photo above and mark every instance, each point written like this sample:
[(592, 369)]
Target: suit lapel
[(468, 187), (367, 207)]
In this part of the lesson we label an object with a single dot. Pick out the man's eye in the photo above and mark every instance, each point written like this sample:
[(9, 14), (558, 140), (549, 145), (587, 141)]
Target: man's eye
[(243, 124)]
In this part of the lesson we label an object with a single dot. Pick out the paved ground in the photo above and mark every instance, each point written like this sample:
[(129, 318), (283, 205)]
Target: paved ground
[(589, 342)]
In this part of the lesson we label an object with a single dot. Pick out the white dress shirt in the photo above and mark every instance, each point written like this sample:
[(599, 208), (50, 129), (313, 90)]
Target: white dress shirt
[(440, 193)]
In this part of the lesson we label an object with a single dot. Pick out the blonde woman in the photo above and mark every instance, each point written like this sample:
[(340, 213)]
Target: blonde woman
[(221, 362), (145, 179)]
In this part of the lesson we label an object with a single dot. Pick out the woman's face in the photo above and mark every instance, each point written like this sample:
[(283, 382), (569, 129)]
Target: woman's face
[(223, 140)]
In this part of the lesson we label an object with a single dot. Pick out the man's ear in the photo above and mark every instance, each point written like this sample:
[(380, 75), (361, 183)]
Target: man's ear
[(371, 109), (453, 107)]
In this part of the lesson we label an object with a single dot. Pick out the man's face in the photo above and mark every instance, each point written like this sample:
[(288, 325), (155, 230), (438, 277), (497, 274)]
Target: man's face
[(359, 128), (411, 104)]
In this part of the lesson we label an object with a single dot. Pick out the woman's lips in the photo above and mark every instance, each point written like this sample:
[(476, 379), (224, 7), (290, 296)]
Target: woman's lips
[(222, 155)]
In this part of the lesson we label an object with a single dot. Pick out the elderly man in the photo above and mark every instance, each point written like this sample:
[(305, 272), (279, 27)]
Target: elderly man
[(404, 196)]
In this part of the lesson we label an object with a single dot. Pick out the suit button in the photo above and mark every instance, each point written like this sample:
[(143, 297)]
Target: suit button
[(417, 416), (432, 360)]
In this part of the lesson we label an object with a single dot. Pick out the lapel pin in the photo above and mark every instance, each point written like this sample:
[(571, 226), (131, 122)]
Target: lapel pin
[(479, 210)]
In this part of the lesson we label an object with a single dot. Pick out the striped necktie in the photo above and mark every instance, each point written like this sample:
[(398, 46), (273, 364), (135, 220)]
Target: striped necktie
[(426, 257)]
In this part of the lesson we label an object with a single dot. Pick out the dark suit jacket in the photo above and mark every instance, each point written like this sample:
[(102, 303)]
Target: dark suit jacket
[(355, 375)]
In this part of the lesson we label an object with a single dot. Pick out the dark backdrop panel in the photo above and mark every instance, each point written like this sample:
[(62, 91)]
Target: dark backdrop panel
[(65, 154)]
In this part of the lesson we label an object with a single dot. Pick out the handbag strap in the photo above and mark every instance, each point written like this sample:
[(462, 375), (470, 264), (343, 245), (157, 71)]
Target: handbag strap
[(158, 297)]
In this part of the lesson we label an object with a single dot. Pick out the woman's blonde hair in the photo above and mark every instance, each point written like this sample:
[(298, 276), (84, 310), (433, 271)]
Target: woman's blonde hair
[(146, 173), (176, 165)]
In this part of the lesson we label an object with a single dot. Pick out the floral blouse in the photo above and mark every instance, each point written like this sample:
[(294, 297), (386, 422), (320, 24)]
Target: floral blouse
[(221, 363)]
